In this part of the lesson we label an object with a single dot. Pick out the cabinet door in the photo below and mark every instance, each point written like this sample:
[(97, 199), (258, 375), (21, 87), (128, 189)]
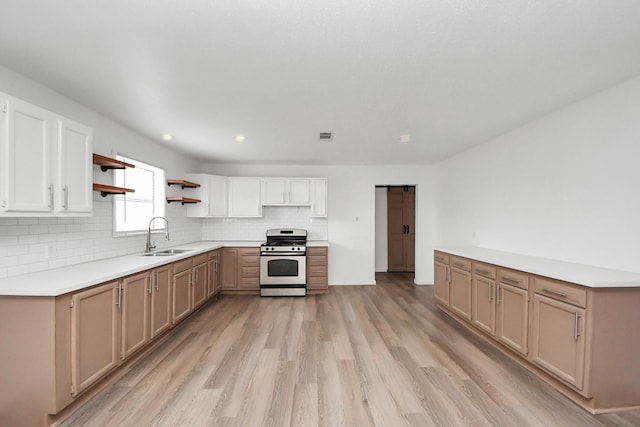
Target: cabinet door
[(461, 292), (199, 288), (181, 295), (160, 300), (74, 169), (136, 296), (94, 334), (513, 317), (558, 341), (26, 158), (217, 196), (299, 191), (483, 314), (213, 270), (273, 191), (229, 274), (244, 197), (318, 196), (441, 283)]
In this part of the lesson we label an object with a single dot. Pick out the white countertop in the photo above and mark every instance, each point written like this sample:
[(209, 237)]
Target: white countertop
[(586, 275)]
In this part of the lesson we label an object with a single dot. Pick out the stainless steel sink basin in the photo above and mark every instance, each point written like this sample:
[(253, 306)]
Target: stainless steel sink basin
[(167, 252)]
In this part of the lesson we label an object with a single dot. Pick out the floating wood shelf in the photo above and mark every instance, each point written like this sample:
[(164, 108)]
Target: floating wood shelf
[(105, 190), (107, 163), (181, 182), (182, 200)]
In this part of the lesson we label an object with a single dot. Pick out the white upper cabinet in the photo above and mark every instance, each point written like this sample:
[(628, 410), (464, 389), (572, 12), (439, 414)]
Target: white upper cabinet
[(244, 197), (212, 193), (285, 191), (45, 161), (318, 197)]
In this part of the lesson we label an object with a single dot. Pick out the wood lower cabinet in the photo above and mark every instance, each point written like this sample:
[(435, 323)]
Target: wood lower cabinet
[(181, 289), (136, 300), (200, 281), (441, 278), (160, 317), (213, 270), (317, 270), (483, 287), (512, 303), (461, 287), (95, 334), (241, 270)]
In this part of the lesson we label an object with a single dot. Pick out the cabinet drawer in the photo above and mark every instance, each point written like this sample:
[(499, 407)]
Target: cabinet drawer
[(317, 251), (440, 257), (513, 278), (317, 282), (316, 271), (461, 263), (561, 291), (199, 259), (249, 272), (316, 260), (183, 265), (250, 282), (485, 270), (250, 261)]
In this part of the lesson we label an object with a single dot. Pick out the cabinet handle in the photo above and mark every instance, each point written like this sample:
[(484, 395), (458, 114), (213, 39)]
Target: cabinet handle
[(490, 291), (157, 290), (498, 301), (458, 264), (150, 287), (485, 272), (510, 280), (51, 196), (554, 292), (577, 328), (119, 295), (66, 197)]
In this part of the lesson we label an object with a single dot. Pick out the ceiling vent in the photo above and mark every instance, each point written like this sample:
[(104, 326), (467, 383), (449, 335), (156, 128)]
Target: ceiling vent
[(326, 136)]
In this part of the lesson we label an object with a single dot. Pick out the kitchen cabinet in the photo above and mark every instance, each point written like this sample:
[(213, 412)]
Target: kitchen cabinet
[(181, 289), (401, 228), (318, 194), (441, 278), (199, 293), (483, 287), (461, 287), (160, 318), (213, 269), (95, 315), (135, 332), (244, 197), (512, 302), (241, 270), (285, 191), (559, 331), (46, 165), (212, 193), (317, 269)]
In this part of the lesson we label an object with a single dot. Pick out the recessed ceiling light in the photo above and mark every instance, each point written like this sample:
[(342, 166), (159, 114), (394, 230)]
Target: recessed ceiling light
[(241, 138), (404, 138), (167, 137)]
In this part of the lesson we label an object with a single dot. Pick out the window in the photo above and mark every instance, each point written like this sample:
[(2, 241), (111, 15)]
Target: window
[(133, 211)]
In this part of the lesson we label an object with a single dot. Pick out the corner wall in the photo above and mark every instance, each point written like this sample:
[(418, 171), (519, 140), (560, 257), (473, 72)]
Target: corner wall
[(566, 186)]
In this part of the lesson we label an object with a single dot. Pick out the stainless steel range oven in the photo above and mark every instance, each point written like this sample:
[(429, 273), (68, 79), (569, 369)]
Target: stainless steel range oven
[(283, 263)]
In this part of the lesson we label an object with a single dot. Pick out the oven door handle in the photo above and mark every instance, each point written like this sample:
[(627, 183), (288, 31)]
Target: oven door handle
[(281, 254)]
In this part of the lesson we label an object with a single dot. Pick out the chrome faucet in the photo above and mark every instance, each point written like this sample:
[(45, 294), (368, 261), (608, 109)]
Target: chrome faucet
[(150, 246)]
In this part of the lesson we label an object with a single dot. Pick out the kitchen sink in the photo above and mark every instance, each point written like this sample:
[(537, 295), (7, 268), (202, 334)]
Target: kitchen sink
[(167, 252)]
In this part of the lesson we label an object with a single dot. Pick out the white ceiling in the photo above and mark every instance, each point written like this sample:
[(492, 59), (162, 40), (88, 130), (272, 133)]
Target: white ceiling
[(451, 73)]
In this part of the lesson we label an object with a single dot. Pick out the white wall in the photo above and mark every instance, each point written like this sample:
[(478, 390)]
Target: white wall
[(34, 244), (351, 207), (566, 186), (382, 259)]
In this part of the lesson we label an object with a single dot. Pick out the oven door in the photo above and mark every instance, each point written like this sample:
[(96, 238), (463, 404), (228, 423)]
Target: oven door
[(283, 270)]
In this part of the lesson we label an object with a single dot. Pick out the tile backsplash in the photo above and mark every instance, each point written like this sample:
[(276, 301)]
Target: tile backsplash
[(255, 228), (34, 244)]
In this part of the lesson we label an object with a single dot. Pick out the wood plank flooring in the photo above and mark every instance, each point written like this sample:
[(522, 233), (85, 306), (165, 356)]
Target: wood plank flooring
[(360, 356)]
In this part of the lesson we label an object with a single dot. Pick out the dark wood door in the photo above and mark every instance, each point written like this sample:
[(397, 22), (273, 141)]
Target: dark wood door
[(401, 228)]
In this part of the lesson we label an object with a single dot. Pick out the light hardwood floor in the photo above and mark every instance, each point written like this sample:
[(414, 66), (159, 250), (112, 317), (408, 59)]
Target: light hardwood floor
[(361, 356)]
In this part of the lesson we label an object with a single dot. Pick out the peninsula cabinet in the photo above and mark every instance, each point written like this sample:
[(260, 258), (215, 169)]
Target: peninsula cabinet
[(580, 336), (47, 162), (461, 287), (442, 278)]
